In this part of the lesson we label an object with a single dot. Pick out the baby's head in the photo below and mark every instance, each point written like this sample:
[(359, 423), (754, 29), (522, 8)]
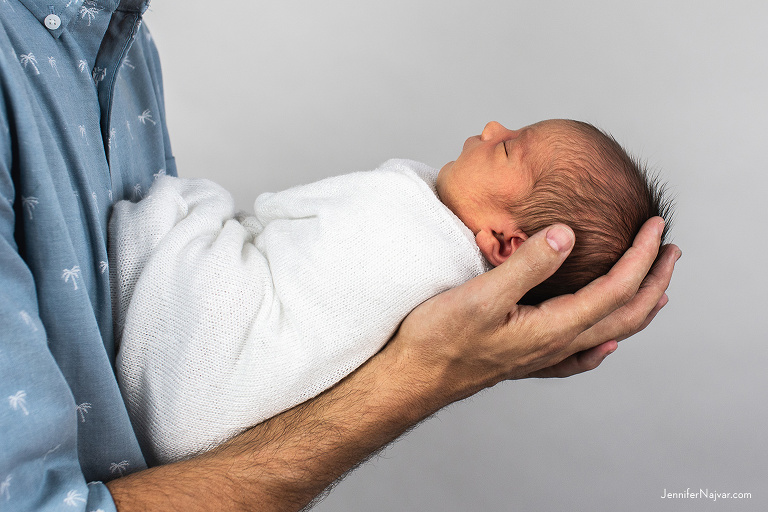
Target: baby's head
[(508, 184)]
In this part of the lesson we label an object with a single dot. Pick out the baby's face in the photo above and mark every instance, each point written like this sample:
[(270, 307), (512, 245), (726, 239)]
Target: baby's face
[(498, 163)]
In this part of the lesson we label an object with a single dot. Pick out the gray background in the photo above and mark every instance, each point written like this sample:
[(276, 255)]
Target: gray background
[(264, 95)]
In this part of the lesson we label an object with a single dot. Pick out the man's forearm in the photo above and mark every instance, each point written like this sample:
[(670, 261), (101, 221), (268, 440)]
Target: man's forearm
[(283, 463), (449, 347)]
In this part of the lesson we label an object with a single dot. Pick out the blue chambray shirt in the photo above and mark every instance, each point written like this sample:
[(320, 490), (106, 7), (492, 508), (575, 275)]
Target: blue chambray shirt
[(82, 125)]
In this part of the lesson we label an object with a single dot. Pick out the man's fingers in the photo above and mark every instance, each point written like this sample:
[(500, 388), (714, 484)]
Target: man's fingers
[(638, 313), (578, 363), (612, 291), (537, 259), (648, 319), (621, 283), (635, 316)]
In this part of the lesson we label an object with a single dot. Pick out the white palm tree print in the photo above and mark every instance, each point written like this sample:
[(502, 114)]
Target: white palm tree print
[(128, 125), (29, 203), (112, 133), (82, 65), (89, 10), (73, 498), (71, 273), (83, 409), (103, 266), (159, 173), (4, 488), (119, 467), (146, 116), (27, 318), (127, 63), (29, 58), (52, 62), (83, 133), (19, 401), (137, 194)]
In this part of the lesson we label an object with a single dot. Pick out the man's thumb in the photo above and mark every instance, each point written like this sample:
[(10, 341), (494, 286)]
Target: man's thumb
[(537, 259)]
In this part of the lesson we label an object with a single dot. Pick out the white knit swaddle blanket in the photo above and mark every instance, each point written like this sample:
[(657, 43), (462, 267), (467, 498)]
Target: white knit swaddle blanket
[(225, 320)]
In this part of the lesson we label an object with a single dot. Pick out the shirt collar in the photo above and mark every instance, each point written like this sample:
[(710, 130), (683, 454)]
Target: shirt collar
[(67, 10)]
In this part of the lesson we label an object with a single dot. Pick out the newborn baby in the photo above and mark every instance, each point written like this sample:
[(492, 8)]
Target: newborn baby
[(226, 319)]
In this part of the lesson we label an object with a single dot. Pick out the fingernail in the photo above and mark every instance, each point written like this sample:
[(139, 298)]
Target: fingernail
[(560, 238), (679, 254), (661, 227)]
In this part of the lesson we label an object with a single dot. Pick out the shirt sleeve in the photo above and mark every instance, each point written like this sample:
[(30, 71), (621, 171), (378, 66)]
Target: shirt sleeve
[(39, 466)]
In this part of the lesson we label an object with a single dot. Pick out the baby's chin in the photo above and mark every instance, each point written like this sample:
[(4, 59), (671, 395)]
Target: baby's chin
[(440, 181), (445, 170)]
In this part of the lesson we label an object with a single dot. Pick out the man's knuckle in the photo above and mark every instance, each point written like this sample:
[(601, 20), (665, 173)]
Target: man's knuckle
[(625, 292), (636, 321), (629, 322), (557, 338), (533, 266)]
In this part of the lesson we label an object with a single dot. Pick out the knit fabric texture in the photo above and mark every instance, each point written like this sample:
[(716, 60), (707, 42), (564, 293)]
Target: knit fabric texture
[(226, 319)]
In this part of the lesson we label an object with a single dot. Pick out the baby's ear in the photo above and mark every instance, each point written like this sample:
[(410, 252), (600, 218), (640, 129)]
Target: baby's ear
[(497, 247)]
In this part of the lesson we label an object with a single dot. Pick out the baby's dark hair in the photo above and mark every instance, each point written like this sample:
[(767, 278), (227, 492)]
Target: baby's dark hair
[(590, 183)]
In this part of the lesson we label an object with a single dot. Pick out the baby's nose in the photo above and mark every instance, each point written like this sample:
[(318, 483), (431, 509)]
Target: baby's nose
[(492, 130)]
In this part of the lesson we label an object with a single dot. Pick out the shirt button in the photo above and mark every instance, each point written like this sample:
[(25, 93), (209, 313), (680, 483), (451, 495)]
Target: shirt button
[(52, 22)]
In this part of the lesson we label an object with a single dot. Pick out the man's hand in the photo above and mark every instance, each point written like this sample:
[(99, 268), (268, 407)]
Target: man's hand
[(449, 347), (476, 335)]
